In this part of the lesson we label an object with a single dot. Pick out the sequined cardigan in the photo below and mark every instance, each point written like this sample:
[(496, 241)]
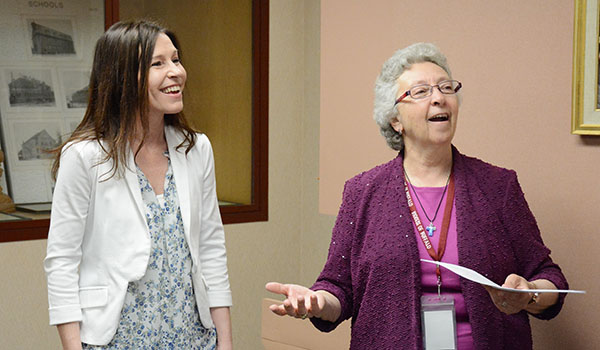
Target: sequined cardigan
[(373, 263)]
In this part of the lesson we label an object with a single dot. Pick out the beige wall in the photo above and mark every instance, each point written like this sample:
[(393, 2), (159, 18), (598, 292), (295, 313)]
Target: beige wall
[(515, 60), (23, 302), (292, 246)]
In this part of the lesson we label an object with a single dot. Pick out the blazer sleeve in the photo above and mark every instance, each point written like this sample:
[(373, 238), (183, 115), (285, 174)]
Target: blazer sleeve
[(212, 251), (532, 255), (336, 277), (70, 205)]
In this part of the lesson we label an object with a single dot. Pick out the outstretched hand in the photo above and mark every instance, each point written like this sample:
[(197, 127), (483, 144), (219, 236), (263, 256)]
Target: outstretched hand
[(511, 302), (300, 301)]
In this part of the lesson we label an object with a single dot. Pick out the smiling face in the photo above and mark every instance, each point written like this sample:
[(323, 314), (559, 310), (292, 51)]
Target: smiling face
[(430, 121), (166, 79)]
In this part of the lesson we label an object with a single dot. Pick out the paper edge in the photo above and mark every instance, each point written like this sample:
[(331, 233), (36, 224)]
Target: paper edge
[(495, 286)]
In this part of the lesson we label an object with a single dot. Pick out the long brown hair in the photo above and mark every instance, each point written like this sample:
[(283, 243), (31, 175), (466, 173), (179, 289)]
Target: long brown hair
[(118, 92)]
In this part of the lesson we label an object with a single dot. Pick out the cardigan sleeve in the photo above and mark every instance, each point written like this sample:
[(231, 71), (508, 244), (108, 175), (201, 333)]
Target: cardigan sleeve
[(336, 277), (532, 255)]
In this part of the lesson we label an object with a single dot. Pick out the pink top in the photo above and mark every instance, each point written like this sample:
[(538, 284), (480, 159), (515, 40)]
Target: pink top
[(430, 197)]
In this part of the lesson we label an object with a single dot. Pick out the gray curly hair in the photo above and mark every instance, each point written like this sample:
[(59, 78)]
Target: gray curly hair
[(386, 87)]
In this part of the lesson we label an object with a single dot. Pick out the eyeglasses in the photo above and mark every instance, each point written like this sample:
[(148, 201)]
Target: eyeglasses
[(447, 87)]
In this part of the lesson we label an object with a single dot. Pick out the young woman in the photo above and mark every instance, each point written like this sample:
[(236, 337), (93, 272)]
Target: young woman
[(136, 250)]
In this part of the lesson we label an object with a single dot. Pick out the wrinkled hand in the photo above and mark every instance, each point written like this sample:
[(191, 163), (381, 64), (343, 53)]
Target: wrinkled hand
[(511, 302), (300, 301)]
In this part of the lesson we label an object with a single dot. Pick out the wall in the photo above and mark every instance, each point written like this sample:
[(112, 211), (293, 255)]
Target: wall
[(515, 61), (23, 298)]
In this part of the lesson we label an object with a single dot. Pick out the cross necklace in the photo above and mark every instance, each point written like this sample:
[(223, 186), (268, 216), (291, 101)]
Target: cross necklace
[(430, 228)]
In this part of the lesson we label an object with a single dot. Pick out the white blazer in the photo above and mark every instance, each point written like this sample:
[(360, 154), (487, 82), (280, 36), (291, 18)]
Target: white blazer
[(99, 240)]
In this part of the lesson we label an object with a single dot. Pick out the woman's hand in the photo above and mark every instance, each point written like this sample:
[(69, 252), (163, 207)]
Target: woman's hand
[(302, 302), (512, 302)]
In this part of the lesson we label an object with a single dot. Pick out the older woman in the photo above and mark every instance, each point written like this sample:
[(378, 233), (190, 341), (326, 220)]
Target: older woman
[(430, 202)]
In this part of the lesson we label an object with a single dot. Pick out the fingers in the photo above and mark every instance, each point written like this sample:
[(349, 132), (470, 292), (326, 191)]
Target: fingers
[(289, 307), (520, 300), (503, 303), (298, 302), (497, 298), (278, 309), (286, 308), (510, 302), (515, 281), (301, 309), (276, 287), (315, 309), (297, 310)]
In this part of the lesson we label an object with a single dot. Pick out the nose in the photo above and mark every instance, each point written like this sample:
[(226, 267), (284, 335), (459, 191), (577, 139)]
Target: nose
[(437, 98), (175, 70)]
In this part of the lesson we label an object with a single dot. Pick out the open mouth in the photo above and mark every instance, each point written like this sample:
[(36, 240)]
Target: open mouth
[(175, 89), (439, 118)]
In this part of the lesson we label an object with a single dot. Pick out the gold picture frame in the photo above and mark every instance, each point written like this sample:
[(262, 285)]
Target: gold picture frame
[(585, 118)]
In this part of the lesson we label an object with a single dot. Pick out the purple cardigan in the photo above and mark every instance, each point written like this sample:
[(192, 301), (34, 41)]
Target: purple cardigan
[(373, 264)]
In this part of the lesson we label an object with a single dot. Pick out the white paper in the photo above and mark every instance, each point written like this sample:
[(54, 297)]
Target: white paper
[(478, 278)]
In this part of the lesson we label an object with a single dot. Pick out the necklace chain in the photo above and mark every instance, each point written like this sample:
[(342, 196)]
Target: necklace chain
[(419, 200)]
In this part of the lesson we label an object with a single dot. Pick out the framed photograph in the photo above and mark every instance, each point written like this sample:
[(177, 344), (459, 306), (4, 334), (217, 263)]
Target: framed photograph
[(34, 185), (26, 152), (29, 89), (70, 125), (585, 118), (32, 139), (51, 37), (74, 84)]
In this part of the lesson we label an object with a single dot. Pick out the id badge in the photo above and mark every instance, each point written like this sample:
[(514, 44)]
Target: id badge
[(438, 322)]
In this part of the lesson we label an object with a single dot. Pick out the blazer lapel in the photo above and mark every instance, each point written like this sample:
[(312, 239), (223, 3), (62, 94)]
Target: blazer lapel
[(180, 172)]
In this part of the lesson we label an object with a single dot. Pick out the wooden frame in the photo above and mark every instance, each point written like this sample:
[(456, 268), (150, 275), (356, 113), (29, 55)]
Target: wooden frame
[(258, 209), (585, 118)]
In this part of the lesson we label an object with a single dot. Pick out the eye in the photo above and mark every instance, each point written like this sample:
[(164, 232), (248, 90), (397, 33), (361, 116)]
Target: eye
[(176, 60), (447, 87), (419, 91), (156, 64)]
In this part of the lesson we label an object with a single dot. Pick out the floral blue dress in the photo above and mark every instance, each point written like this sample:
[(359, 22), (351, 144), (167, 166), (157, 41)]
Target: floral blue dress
[(160, 309)]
